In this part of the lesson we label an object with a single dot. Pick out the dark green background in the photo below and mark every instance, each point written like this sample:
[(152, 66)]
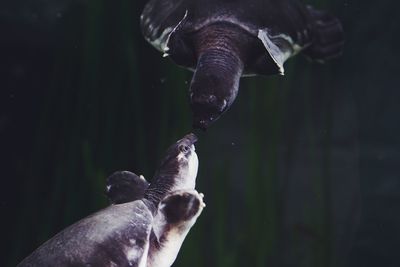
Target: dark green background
[(302, 171)]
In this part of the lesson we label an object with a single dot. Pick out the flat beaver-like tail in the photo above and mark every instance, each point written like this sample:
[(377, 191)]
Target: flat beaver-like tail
[(328, 36)]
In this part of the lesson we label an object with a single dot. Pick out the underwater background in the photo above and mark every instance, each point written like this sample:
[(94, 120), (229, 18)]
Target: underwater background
[(302, 171)]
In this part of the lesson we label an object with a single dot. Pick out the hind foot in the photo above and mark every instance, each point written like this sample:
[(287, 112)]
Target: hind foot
[(328, 36)]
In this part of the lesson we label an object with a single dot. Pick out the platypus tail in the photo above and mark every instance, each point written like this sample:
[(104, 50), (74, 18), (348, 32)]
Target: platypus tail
[(328, 36)]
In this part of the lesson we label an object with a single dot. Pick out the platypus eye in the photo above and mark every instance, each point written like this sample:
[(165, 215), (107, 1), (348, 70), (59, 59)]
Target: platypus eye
[(184, 148)]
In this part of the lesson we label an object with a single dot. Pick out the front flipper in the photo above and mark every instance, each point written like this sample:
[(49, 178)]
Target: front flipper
[(182, 207), (176, 214), (159, 19), (280, 47), (124, 186)]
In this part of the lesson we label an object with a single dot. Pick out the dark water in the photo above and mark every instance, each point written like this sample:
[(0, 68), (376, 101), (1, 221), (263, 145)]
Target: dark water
[(302, 171)]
